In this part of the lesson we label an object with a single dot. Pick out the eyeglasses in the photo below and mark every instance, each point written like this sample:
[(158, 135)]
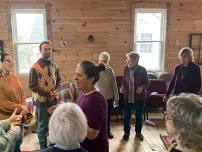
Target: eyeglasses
[(10, 60)]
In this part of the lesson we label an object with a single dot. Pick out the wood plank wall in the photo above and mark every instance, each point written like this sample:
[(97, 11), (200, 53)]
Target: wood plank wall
[(110, 22)]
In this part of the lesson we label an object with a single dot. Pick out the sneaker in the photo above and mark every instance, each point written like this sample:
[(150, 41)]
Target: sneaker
[(110, 136), (140, 136), (125, 136)]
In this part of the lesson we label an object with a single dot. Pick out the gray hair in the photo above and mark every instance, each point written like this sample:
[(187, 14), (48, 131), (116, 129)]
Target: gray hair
[(187, 50), (186, 113), (68, 125), (133, 56), (104, 54)]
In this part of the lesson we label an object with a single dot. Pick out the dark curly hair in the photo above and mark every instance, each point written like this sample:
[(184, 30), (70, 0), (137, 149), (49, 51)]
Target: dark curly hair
[(44, 42)]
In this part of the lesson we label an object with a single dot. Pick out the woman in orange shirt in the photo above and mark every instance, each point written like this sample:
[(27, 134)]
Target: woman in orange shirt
[(11, 92)]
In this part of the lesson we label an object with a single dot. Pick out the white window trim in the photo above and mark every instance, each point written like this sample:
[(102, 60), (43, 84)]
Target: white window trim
[(163, 32), (14, 30)]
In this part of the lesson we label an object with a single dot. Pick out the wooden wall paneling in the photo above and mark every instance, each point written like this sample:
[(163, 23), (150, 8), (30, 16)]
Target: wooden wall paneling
[(48, 20), (91, 13), (90, 4), (110, 21), (161, 1), (3, 35), (89, 27), (101, 38), (151, 5), (28, 4)]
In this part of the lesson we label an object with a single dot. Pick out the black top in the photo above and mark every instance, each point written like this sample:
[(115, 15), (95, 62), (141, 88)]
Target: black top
[(185, 79)]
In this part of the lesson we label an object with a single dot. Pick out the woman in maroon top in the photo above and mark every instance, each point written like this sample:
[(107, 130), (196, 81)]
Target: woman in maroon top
[(94, 106)]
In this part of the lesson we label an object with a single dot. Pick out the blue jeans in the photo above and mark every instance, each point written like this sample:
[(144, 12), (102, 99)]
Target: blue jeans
[(42, 123), (139, 109)]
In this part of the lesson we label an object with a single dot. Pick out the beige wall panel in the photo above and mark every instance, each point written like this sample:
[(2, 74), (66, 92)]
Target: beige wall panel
[(111, 23)]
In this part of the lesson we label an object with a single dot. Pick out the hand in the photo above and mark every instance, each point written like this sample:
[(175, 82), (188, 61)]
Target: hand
[(15, 127), (165, 98), (18, 107), (51, 109), (122, 90), (21, 108), (139, 90), (24, 109), (115, 104), (15, 119)]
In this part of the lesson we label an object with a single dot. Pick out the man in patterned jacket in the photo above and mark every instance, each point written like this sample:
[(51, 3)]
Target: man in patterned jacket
[(44, 79)]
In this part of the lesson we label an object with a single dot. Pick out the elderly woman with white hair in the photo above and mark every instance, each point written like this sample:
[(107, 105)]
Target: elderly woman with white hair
[(184, 121), (187, 75), (67, 129), (134, 84), (108, 87)]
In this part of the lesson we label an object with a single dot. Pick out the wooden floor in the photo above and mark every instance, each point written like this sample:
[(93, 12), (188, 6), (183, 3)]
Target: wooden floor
[(151, 143)]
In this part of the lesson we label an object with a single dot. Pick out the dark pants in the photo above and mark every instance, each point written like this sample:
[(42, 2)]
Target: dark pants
[(110, 108), (42, 122), (139, 109)]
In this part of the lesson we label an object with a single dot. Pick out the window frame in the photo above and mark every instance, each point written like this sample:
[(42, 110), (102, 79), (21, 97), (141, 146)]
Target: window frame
[(162, 40), (14, 31)]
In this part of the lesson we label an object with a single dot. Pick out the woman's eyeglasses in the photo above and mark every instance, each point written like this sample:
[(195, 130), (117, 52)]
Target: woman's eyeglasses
[(10, 60)]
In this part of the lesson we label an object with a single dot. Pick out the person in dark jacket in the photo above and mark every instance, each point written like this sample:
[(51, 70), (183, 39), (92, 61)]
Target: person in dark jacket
[(187, 75), (134, 83)]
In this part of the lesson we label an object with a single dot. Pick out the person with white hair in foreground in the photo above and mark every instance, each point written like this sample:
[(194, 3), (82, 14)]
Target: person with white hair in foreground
[(67, 129), (184, 122)]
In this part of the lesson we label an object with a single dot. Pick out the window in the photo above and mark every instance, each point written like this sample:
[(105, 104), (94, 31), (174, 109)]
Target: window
[(149, 37), (145, 47), (28, 30)]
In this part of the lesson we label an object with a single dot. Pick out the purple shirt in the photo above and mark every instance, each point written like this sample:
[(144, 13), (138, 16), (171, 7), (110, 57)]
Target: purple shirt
[(94, 107)]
